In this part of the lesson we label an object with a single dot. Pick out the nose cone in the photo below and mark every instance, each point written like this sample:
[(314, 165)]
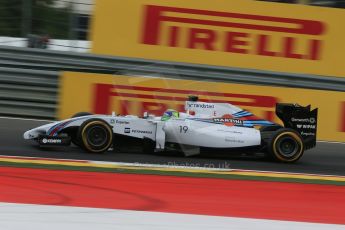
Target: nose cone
[(26, 135), (30, 134)]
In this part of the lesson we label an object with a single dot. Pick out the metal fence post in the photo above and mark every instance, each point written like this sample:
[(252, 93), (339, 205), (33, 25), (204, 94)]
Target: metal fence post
[(26, 17)]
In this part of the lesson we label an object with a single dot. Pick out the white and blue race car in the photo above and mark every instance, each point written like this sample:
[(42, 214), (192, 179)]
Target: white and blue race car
[(202, 125)]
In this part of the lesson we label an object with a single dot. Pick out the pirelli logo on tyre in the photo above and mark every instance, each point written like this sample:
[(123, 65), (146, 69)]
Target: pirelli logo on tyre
[(290, 38), (189, 25), (103, 94)]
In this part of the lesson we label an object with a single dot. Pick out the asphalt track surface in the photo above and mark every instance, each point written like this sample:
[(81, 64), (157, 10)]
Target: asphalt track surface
[(326, 158)]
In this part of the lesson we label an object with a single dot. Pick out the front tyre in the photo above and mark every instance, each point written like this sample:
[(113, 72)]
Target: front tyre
[(74, 135), (286, 145), (96, 136)]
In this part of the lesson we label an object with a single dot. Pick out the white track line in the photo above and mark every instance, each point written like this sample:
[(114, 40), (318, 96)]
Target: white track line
[(42, 217), (332, 142)]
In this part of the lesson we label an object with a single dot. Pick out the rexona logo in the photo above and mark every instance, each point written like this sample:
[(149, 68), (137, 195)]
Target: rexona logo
[(232, 32), (307, 134)]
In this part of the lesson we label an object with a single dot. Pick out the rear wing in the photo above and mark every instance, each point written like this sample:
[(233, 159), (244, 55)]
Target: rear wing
[(302, 119)]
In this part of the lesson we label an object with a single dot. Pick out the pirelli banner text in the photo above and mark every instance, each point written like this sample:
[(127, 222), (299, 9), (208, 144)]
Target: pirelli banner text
[(102, 94), (246, 34)]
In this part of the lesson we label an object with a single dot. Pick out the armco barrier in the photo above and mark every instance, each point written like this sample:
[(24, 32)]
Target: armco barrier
[(29, 77), (58, 60), (28, 93)]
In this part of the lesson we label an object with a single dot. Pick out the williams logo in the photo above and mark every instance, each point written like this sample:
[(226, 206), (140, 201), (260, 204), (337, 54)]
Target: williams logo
[(127, 130), (300, 126)]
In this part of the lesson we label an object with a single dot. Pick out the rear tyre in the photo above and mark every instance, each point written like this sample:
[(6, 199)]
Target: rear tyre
[(96, 136), (74, 135), (286, 145)]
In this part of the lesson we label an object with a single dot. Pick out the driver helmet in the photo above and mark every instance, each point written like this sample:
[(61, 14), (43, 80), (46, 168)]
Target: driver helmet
[(169, 114)]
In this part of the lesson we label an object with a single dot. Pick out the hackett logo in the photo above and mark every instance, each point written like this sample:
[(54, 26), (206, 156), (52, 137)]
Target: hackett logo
[(199, 31)]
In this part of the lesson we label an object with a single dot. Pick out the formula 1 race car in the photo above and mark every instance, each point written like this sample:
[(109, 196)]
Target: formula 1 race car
[(202, 125)]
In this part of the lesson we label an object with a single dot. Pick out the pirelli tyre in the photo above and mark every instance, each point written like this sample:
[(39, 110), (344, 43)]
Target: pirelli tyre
[(95, 136), (286, 145)]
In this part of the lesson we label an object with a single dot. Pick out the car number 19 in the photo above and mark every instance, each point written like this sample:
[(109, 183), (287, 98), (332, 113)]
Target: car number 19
[(183, 129)]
